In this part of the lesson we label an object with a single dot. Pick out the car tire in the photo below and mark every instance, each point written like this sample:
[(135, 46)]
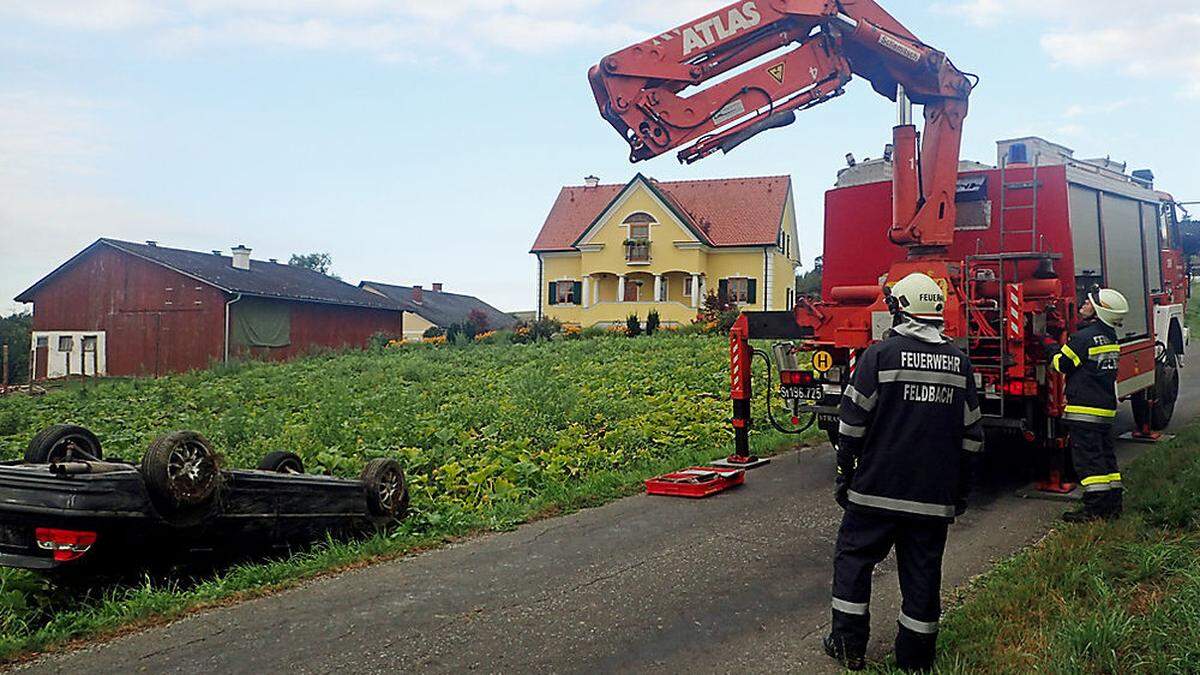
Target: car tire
[(181, 474), (282, 462), (387, 491), (63, 443)]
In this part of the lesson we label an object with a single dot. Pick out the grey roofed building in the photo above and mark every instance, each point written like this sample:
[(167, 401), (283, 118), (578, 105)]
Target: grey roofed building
[(439, 307), (261, 279)]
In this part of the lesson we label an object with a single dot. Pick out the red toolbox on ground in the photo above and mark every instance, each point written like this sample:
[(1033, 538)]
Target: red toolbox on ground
[(695, 482)]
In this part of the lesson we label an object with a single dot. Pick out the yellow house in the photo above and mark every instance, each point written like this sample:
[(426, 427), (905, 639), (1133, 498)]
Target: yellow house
[(608, 251)]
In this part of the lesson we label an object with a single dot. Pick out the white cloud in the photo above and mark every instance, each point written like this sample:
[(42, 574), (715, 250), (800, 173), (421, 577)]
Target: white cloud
[(50, 146), (391, 30), (531, 34), (102, 15), (1084, 110), (1097, 34), (45, 133)]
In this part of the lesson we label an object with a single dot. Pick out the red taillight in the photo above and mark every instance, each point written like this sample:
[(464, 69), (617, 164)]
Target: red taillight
[(795, 377), (67, 545)]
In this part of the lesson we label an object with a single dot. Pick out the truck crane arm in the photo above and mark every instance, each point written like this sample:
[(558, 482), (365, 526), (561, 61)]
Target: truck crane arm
[(650, 92)]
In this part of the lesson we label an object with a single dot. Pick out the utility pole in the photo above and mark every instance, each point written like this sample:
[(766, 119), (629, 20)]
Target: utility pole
[(4, 365)]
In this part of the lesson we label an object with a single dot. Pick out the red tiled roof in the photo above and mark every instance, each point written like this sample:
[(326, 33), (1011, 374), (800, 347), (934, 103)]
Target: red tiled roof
[(723, 211)]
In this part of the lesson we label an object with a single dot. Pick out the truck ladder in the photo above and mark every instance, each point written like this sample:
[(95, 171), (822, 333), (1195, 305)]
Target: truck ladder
[(987, 338)]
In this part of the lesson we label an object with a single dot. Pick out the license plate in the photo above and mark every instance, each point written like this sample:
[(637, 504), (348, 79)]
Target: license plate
[(15, 536), (801, 392)]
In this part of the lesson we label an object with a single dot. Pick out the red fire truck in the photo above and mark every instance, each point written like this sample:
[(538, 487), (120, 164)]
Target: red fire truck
[(1016, 246), (1031, 236)]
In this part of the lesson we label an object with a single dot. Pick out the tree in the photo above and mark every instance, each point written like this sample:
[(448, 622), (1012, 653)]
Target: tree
[(479, 319), (317, 262), (652, 322), (15, 331), (809, 283), (633, 327), (712, 308)]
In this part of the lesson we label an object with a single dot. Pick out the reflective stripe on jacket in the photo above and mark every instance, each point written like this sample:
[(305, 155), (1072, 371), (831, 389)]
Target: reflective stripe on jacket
[(1089, 360)]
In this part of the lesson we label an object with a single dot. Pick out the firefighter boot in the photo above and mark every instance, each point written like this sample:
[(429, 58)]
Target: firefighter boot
[(835, 647), (1080, 516), (1115, 505), (915, 651)]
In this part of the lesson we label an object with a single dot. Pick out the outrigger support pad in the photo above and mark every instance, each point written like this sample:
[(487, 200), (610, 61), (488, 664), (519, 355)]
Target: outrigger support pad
[(1146, 436), (736, 461)]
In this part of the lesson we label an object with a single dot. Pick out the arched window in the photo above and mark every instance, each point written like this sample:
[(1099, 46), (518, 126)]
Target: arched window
[(639, 226)]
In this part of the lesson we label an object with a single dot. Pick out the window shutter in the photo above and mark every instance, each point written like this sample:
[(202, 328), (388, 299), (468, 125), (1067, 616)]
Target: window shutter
[(723, 291), (577, 292), (752, 291), (553, 292)]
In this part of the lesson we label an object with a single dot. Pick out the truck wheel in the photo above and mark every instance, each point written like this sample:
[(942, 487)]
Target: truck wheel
[(63, 443), (181, 473), (282, 462), (387, 492), (1166, 379)]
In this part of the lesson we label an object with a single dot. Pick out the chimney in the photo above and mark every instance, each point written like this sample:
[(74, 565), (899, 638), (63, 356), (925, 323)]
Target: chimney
[(416, 294), (437, 287), (151, 242), (241, 257), (1145, 178), (591, 181)]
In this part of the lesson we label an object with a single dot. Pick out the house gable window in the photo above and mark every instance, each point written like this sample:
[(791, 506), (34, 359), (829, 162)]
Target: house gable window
[(637, 244), (639, 226)]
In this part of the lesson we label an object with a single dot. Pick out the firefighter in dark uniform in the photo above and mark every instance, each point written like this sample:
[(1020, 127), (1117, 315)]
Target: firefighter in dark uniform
[(1089, 361), (908, 437)]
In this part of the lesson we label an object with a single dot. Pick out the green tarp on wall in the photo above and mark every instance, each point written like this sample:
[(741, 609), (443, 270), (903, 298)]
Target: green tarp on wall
[(260, 323)]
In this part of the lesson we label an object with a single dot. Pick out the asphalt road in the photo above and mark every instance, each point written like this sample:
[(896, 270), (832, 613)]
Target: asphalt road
[(734, 583)]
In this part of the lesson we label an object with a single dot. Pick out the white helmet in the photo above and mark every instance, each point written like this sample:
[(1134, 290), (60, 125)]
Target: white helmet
[(918, 296), (1111, 306)]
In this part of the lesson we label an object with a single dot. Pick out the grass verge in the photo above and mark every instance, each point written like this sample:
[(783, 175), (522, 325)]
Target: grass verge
[(1098, 598)]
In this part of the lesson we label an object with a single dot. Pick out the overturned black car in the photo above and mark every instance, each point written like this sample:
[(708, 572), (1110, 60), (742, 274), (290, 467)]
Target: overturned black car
[(65, 506)]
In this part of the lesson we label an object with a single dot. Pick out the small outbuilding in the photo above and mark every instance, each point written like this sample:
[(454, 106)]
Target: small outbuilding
[(434, 307), (122, 308)]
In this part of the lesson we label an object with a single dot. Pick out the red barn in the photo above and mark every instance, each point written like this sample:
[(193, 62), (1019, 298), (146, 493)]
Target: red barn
[(119, 308)]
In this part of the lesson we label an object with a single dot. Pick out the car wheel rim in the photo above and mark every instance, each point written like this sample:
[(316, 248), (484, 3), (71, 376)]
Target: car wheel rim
[(390, 490), (71, 447), (190, 469)]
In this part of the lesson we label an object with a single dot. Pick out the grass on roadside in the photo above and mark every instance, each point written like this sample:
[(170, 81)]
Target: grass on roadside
[(1097, 598)]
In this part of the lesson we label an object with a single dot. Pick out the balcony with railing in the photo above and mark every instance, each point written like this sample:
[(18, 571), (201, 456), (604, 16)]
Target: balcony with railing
[(637, 251)]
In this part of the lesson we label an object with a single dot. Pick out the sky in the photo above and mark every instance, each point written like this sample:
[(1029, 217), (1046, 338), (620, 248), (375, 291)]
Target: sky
[(421, 142)]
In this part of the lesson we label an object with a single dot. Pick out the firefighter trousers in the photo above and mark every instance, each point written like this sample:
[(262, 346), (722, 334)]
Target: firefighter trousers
[(863, 541), (1095, 462)]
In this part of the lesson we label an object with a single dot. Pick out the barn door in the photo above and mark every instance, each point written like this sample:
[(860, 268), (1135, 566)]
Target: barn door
[(41, 358), (132, 347)]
